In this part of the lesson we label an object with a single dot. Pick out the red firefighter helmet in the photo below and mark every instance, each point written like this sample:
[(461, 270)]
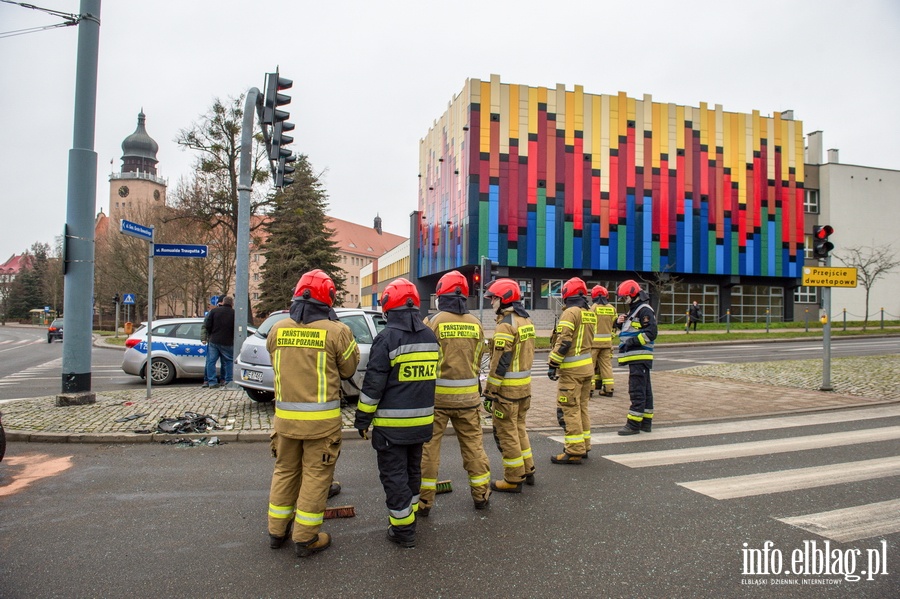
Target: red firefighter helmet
[(316, 285), (399, 293), (573, 287), (599, 291), (506, 289), (628, 289), (453, 282)]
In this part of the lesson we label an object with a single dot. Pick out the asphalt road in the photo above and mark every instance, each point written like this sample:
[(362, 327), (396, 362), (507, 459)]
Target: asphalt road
[(158, 520), (30, 367)]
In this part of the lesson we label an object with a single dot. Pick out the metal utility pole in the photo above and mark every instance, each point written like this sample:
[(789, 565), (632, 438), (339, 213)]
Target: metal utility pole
[(826, 336), (81, 203)]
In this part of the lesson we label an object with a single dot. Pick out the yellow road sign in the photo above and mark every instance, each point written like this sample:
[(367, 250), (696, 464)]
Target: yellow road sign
[(829, 276)]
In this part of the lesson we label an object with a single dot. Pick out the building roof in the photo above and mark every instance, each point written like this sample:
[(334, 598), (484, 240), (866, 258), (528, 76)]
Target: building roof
[(361, 240), (16, 264)]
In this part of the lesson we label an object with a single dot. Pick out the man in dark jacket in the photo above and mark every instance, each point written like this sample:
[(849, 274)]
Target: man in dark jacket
[(695, 315), (397, 400), (219, 333)]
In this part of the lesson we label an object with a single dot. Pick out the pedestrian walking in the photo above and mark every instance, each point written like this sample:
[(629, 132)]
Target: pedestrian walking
[(397, 401), (311, 352), (638, 332), (602, 346), (571, 364), (456, 396), (219, 332), (507, 394), (695, 315)]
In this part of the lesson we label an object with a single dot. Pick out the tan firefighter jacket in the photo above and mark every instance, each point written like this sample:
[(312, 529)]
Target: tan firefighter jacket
[(461, 339), (309, 362), (574, 339), (512, 354), (606, 320)]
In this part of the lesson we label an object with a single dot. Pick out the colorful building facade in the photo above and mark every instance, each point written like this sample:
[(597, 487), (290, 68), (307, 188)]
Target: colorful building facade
[(550, 178)]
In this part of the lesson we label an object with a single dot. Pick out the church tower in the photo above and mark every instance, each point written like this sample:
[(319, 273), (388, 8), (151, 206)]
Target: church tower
[(137, 190)]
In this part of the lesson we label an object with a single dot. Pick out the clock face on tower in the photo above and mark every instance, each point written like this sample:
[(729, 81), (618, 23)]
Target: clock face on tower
[(123, 191), (156, 194)]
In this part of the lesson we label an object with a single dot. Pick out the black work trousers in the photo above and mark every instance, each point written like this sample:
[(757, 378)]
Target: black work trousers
[(400, 469), (641, 394)]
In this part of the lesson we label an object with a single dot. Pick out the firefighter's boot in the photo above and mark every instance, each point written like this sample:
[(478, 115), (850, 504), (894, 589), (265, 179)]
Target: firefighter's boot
[(501, 486), (276, 542), (566, 458), (320, 543), (627, 430)]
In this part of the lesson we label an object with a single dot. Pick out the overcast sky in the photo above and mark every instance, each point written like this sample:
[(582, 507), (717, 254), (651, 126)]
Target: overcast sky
[(370, 77)]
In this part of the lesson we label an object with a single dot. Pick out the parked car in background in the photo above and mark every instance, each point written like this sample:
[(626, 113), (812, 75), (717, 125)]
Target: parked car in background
[(177, 350), (55, 330), (253, 367)]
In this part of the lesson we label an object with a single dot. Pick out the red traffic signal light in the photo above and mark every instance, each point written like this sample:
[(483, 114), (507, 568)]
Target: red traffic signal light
[(821, 246)]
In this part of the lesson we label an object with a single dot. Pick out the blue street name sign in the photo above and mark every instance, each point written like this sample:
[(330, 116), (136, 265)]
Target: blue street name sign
[(135, 230), (128, 298), (176, 250)]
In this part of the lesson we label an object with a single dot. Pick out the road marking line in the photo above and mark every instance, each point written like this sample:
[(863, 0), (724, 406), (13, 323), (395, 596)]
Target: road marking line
[(732, 487), (753, 448), (852, 523), (745, 426)]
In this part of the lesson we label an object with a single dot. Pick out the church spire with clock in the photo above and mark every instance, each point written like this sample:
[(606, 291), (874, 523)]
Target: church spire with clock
[(137, 189)]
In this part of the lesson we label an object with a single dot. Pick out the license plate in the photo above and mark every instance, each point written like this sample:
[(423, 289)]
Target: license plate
[(252, 375)]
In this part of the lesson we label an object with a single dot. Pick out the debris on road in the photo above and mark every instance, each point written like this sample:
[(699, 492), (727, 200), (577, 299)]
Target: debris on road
[(190, 422)]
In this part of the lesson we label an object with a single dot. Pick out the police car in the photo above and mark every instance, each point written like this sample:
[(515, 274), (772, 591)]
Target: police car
[(177, 351), (253, 367)]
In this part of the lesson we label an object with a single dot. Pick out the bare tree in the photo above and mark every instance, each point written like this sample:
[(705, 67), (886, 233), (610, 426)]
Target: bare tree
[(871, 263), (660, 285)]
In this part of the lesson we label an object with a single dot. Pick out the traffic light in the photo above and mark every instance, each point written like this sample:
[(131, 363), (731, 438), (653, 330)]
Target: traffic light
[(476, 281), (489, 268), (116, 299), (821, 246), (272, 117), (282, 168), (274, 84)]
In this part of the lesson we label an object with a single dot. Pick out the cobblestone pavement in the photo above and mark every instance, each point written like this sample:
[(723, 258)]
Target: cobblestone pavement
[(702, 393)]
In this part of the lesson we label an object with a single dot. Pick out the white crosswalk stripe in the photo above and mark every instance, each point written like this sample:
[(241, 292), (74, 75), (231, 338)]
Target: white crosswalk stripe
[(742, 450), (848, 523), (853, 523)]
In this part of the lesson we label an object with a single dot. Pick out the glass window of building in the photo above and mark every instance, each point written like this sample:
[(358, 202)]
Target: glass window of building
[(806, 295), (811, 201)]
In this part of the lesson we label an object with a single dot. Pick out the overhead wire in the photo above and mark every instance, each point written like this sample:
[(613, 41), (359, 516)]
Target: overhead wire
[(69, 19)]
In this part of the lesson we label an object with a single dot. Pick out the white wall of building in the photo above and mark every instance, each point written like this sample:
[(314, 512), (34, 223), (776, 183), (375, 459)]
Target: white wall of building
[(863, 206)]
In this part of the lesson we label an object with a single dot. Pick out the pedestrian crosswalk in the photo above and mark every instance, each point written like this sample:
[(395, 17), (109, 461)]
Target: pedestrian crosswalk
[(847, 523), (46, 370)]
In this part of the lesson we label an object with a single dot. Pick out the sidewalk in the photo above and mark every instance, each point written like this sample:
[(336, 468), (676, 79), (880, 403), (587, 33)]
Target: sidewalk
[(697, 394)]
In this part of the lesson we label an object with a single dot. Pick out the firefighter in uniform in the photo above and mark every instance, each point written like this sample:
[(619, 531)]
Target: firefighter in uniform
[(603, 334), (311, 352), (570, 363), (397, 400), (456, 395), (638, 332), (508, 390)]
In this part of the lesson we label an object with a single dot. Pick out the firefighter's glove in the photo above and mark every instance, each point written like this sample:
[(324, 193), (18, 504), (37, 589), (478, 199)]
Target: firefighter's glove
[(488, 402), (363, 432), (553, 372)]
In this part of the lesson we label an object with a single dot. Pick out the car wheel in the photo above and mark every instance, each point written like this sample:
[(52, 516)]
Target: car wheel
[(260, 395), (49, 339), (163, 371)]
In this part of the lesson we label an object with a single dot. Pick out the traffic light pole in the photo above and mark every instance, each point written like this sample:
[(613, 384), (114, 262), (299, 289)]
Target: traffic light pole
[(242, 261), (81, 199), (481, 290), (826, 336)]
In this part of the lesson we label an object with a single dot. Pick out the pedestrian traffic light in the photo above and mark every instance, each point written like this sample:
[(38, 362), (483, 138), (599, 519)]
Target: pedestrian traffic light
[(821, 246), (116, 299)]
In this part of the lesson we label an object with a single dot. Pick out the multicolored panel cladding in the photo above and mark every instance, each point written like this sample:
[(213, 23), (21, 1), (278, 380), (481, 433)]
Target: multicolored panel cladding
[(541, 177)]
